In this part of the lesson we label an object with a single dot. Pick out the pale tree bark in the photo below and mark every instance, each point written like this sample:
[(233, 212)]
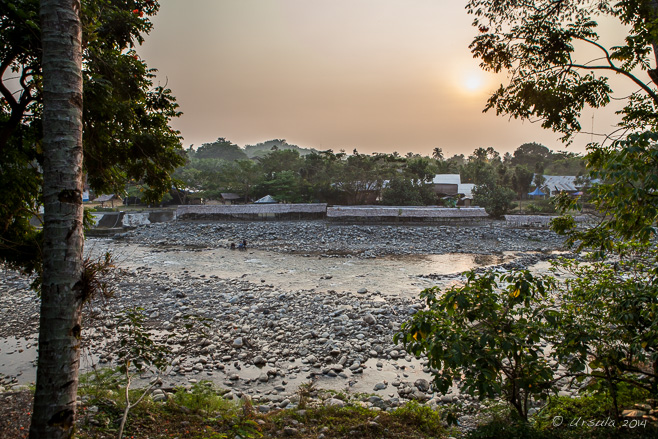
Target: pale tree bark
[(61, 293)]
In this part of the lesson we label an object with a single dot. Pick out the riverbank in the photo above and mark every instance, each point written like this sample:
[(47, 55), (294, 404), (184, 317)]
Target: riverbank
[(306, 302)]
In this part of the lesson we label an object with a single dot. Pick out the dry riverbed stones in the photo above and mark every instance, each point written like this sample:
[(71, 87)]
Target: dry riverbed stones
[(263, 342)]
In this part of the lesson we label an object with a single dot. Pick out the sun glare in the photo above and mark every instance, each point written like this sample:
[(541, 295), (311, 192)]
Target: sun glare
[(473, 82)]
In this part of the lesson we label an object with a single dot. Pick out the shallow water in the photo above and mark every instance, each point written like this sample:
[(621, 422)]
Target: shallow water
[(18, 356), (390, 275)]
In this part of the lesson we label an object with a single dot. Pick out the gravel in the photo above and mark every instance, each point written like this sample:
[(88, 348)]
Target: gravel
[(319, 237), (262, 341)]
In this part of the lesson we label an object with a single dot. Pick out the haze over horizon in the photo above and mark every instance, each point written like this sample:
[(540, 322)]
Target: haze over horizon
[(375, 75)]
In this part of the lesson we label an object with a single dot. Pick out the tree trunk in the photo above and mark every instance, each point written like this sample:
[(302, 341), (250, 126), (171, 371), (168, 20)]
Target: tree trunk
[(61, 292)]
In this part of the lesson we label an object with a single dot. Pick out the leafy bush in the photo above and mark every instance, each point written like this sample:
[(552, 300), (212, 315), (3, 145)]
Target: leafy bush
[(496, 199), (485, 335), (569, 418), (405, 192), (102, 383), (608, 324), (204, 397), (421, 417), (541, 206), (499, 428)]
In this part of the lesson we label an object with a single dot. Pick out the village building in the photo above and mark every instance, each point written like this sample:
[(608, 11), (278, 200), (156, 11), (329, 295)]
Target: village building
[(111, 198), (555, 184)]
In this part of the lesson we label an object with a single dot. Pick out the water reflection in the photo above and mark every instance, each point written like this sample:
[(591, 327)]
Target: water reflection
[(390, 275)]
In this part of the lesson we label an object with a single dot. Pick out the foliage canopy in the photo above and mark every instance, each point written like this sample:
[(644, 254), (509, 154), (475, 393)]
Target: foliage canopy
[(602, 325), (540, 44), (126, 133)]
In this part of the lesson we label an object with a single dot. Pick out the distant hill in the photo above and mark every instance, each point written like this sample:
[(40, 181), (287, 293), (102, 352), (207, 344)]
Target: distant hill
[(219, 149), (260, 149)]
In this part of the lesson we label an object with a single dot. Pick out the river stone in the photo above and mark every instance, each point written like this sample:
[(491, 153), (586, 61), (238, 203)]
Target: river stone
[(208, 349), (375, 400), (290, 431), (238, 343), (417, 395), (370, 319), (362, 291), (422, 385), (334, 402)]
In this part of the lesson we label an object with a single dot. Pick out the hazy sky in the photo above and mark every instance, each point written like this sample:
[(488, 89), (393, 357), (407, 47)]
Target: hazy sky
[(376, 75)]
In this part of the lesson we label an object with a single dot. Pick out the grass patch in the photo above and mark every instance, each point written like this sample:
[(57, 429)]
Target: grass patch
[(199, 412), (411, 421), (589, 416), (204, 398), (202, 412)]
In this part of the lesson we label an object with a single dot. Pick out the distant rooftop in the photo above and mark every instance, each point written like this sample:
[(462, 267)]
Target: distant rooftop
[(446, 179)]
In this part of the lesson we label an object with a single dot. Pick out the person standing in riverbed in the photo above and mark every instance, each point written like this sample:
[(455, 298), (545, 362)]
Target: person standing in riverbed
[(243, 245)]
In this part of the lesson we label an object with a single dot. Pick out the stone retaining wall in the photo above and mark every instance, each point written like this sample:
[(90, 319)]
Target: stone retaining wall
[(112, 220), (407, 214), (253, 212), (348, 214), (109, 220), (540, 220)]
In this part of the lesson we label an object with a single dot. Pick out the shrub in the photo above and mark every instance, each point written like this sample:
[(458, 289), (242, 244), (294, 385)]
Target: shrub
[(485, 335), (204, 397)]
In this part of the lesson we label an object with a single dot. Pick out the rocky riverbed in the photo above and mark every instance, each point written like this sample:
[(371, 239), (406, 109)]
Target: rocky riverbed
[(266, 337), (320, 237)]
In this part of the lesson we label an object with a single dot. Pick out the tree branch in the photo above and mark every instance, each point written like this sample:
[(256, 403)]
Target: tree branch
[(615, 69)]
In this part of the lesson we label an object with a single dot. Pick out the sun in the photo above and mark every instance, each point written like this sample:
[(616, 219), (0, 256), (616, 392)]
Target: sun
[(473, 82)]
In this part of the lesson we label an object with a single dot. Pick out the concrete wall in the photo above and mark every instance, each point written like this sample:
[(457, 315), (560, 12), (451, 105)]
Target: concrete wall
[(110, 220), (135, 219), (406, 212), (162, 216), (253, 212), (319, 211), (407, 215), (113, 220), (540, 220)]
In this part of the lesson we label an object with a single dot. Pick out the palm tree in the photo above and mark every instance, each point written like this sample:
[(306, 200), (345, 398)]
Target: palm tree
[(61, 292), (437, 153)]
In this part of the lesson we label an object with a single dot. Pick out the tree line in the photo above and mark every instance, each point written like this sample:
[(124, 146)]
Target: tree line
[(299, 176)]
